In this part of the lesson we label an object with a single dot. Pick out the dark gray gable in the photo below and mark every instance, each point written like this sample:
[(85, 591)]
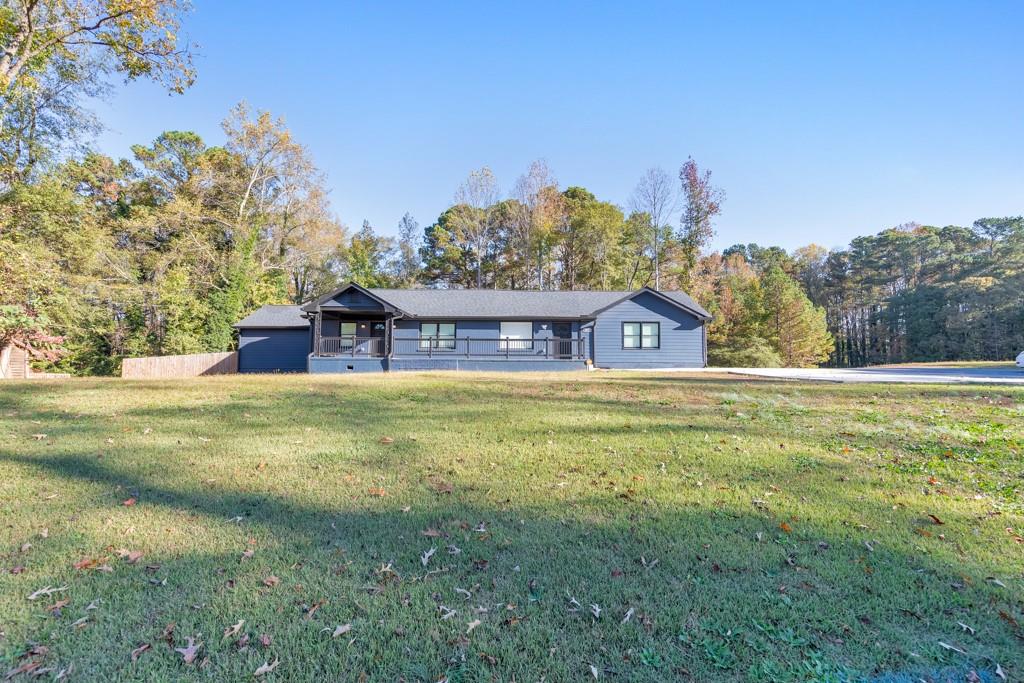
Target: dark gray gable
[(354, 298), (677, 299)]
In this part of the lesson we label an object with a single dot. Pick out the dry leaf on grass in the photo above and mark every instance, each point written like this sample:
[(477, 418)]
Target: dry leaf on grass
[(265, 639), (48, 590), (340, 630), (130, 502), (190, 651), (378, 492), (386, 440), (233, 629), (954, 648), (139, 650), (266, 668), (130, 556), (935, 520), (271, 581), (472, 625)]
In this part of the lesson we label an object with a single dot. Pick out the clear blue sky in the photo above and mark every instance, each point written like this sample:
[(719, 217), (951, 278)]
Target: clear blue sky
[(821, 120)]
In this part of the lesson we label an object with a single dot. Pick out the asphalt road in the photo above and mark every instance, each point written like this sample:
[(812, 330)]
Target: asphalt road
[(1008, 374)]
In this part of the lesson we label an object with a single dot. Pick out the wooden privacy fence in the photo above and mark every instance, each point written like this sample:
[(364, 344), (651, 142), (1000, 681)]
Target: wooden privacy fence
[(171, 367)]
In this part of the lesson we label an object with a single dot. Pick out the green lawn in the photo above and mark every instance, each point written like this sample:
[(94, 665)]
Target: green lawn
[(652, 527)]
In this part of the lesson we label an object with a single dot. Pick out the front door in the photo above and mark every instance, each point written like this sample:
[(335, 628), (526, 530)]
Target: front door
[(378, 330), (563, 339)]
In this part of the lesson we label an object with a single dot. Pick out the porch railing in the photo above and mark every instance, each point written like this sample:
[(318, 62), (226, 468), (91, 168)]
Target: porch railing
[(472, 347), (372, 347), (573, 348)]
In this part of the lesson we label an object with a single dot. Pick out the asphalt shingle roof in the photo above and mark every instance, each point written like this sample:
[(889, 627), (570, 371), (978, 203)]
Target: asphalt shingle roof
[(499, 303), (476, 303), (274, 316)]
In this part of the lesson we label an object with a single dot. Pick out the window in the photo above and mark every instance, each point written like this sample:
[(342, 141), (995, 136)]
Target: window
[(641, 335), (516, 336), (437, 336), (348, 336)]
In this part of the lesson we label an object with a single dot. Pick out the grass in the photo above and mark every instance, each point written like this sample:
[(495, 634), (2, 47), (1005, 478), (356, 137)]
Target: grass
[(722, 529)]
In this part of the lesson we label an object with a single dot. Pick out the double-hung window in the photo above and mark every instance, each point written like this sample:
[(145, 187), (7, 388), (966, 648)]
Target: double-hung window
[(437, 336), (516, 336), (641, 335)]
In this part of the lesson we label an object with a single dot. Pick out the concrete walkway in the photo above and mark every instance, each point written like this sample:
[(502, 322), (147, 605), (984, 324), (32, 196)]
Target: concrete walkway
[(1008, 374)]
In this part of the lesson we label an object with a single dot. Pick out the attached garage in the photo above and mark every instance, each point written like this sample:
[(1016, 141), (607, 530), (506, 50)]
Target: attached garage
[(273, 339)]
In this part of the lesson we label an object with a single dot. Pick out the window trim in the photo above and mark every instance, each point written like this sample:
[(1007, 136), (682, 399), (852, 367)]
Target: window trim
[(640, 336), (518, 345), (431, 343)]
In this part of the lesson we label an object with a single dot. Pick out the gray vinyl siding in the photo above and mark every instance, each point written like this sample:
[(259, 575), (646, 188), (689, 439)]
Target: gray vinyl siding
[(682, 336), (273, 350)]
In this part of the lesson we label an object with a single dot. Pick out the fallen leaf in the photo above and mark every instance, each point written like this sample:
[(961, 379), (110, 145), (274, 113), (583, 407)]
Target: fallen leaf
[(340, 630), (785, 527), (952, 647), (57, 606), (139, 650), (271, 581), (265, 639), (386, 440), (233, 629), (378, 491), (189, 652), (39, 437), (247, 554), (427, 554), (431, 533), (86, 563), (965, 627), (266, 668), (128, 503), (935, 519), (472, 625), (130, 556), (48, 590)]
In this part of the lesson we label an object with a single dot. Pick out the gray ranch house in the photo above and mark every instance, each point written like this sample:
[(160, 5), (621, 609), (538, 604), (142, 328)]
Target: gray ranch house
[(359, 329)]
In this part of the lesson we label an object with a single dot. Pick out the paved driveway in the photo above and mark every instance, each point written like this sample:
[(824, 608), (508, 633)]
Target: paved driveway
[(996, 374)]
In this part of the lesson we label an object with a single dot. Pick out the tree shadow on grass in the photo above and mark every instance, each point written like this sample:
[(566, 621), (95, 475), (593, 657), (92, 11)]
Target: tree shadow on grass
[(703, 592)]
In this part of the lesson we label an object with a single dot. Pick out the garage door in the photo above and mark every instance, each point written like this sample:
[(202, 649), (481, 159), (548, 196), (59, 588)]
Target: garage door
[(273, 350)]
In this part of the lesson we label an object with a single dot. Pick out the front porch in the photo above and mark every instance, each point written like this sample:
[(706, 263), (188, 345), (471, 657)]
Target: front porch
[(357, 333)]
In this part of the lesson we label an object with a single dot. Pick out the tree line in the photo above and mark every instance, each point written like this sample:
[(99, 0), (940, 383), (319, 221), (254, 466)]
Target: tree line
[(161, 253)]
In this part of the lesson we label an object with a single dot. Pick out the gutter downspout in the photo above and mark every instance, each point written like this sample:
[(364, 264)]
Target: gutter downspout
[(589, 325)]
